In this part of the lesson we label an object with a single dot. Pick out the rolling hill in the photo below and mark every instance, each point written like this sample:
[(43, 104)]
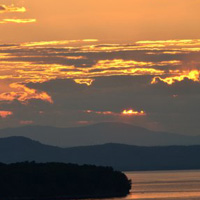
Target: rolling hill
[(121, 157), (99, 134)]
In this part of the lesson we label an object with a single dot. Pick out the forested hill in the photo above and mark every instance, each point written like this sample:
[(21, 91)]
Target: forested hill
[(102, 133), (60, 181), (119, 156)]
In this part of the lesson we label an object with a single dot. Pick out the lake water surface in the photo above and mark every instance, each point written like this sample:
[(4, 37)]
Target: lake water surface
[(164, 185)]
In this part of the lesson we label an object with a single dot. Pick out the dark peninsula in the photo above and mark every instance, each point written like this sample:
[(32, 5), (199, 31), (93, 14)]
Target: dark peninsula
[(30, 180)]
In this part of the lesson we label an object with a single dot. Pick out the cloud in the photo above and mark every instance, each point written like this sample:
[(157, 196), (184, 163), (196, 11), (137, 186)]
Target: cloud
[(14, 9), (129, 112), (132, 112), (2, 8), (23, 94), (191, 75), (18, 21), (11, 9), (105, 79), (87, 82), (5, 114), (57, 42), (109, 96)]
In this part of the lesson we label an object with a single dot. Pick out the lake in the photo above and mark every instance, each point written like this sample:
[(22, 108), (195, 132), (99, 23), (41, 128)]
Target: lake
[(164, 185)]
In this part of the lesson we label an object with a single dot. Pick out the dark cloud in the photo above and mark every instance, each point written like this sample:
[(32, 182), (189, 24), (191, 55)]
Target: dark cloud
[(115, 87), (163, 103)]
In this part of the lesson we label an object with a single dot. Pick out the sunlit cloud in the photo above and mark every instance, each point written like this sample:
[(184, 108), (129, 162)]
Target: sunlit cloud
[(173, 43), (58, 42), (44, 72), (39, 62), (191, 75), (18, 21), (75, 57), (167, 46), (11, 9), (130, 112), (90, 40), (23, 94), (104, 77), (133, 113), (5, 114), (87, 82)]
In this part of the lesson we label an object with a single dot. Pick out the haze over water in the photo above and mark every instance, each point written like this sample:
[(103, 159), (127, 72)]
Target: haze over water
[(164, 185)]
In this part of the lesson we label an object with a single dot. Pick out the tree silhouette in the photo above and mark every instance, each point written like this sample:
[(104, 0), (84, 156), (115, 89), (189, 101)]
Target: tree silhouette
[(53, 180)]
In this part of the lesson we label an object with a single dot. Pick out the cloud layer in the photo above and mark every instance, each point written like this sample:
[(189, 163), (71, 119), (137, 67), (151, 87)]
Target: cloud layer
[(12, 11), (154, 84)]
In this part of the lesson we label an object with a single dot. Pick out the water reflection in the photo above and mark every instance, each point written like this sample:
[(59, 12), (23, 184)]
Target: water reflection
[(164, 185)]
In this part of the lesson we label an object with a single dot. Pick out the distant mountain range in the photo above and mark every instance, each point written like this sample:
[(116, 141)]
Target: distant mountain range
[(99, 134), (121, 157)]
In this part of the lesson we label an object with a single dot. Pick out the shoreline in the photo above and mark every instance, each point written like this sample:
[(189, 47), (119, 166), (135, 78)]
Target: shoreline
[(67, 197)]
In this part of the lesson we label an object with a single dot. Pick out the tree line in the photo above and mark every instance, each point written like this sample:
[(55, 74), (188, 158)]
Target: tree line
[(30, 180)]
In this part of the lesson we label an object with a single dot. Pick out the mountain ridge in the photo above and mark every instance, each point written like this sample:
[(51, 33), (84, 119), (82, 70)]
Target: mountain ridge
[(101, 133), (119, 156)]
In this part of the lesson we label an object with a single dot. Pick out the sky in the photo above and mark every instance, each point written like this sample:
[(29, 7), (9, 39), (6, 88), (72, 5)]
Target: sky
[(71, 63)]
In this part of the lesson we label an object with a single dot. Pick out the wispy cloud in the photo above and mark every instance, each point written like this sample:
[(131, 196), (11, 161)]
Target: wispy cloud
[(11, 9), (193, 75), (38, 62), (23, 94), (128, 112), (57, 42), (14, 9), (18, 21)]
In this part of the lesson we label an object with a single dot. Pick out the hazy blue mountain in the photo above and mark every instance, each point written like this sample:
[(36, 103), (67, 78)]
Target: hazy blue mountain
[(121, 157), (99, 134), (17, 149)]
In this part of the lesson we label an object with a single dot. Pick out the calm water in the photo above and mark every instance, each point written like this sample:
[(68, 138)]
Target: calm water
[(165, 185)]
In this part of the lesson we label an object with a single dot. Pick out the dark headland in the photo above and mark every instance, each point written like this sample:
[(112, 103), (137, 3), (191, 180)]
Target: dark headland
[(50, 181)]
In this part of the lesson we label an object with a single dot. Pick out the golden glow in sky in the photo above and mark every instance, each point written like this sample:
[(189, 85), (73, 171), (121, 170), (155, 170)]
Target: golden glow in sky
[(86, 61), (129, 112), (38, 63), (88, 82), (191, 75), (117, 21), (4, 114), (133, 113), (18, 21), (11, 9)]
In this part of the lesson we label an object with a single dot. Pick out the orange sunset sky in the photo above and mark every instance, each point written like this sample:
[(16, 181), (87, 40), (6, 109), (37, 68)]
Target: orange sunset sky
[(72, 63), (119, 20)]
